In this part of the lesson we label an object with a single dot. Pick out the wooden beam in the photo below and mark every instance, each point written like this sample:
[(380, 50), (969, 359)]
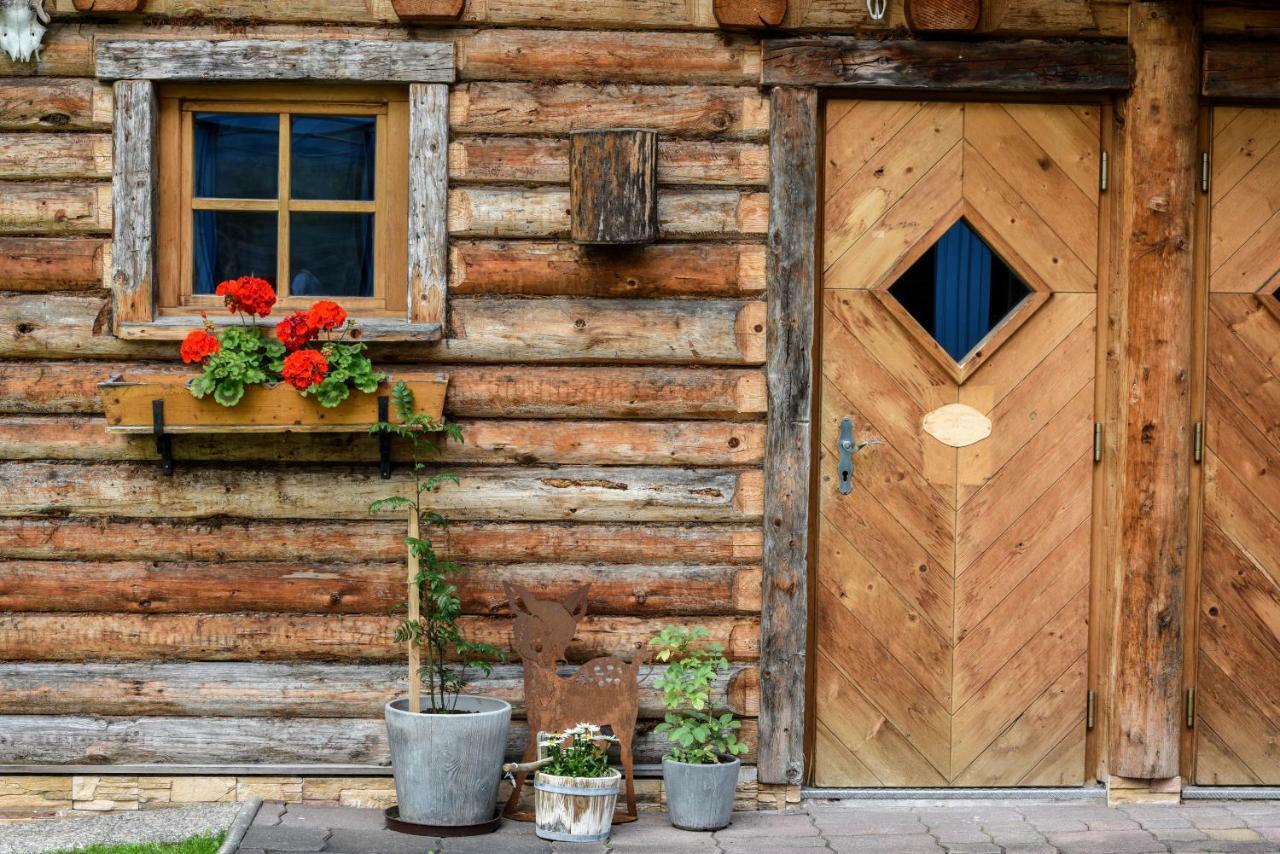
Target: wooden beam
[(428, 199), (749, 14), (342, 60), (1160, 158), (133, 191), (1241, 72), (613, 186), (1021, 67), (792, 273)]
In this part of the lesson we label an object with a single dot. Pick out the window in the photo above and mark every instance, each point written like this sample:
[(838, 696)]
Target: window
[(306, 187)]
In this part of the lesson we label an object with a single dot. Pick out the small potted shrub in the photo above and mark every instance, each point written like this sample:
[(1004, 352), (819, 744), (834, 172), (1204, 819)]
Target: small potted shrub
[(700, 772), (575, 790), (446, 747)]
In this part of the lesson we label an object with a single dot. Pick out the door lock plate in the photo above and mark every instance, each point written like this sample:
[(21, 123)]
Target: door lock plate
[(848, 445)]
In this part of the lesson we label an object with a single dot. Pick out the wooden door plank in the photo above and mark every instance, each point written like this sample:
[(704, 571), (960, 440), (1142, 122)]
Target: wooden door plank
[(1244, 587), (1245, 647), (858, 133), (1237, 512), (1239, 145), (1253, 322), (1250, 385), (1242, 730), (1216, 764), (1064, 764), (1238, 215), (1253, 265), (1074, 145), (834, 765)]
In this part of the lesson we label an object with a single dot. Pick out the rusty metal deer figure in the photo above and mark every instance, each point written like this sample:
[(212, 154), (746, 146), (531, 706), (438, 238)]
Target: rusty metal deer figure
[(604, 691)]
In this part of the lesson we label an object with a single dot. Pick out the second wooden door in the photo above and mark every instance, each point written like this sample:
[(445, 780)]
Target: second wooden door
[(958, 321)]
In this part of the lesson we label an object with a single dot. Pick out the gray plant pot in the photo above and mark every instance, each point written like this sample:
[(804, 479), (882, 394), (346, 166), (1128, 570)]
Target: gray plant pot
[(700, 797), (448, 767)]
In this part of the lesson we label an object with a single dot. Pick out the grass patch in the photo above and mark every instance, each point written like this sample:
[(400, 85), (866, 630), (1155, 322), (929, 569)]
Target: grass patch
[(195, 845)]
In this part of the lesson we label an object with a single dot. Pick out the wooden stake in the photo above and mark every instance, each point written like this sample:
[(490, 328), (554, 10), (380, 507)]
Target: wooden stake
[(415, 611)]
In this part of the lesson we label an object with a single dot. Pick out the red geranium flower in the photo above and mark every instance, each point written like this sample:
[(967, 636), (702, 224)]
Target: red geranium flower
[(247, 294), (305, 368), (326, 315), (198, 346), (295, 330)]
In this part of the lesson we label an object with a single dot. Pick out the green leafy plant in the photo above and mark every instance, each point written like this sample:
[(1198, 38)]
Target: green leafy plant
[(447, 657), (244, 357), (576, 752), (697, 734)]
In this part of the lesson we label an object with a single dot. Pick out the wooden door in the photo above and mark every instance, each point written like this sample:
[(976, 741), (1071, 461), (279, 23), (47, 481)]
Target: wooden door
[(952, 582), (1237, 728)]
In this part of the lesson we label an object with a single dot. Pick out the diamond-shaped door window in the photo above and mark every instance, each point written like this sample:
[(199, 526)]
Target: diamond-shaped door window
[(959, 290)]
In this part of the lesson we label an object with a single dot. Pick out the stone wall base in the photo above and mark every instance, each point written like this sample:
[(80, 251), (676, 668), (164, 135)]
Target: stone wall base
[(1129, 790)]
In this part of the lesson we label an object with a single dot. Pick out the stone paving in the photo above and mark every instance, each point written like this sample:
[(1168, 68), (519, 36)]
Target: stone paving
[(838, 827)]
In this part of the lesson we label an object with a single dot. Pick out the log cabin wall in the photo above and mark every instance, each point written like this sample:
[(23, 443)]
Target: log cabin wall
[(613, 403)]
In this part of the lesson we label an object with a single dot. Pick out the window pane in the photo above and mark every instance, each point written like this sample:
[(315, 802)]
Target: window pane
[(230, 244), (237, 156), (333, 157), (331, 254)]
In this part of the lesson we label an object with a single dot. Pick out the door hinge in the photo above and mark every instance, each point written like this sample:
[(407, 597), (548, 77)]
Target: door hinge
[(1191, 708), (1197, 442), (1090, 704), (1097, 441), (1104, 172), (1204, 171)]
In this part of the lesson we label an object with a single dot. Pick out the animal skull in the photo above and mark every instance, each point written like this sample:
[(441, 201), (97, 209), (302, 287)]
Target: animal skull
[(21, 28)]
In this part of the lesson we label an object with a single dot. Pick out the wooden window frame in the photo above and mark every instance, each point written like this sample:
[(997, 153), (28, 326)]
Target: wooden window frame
[(151, 81)]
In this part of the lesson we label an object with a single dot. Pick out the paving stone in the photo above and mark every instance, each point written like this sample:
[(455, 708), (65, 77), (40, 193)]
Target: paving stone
[(1058, 825), (917, 843), (1039, 848), (971, 848), (660, 834), (772, 844), (749, 824), (301, 815), (269, 814), (1165, 823), (1233, 834), (958, 835), (1007, 839), (368, 841), (1107, 842), (1215, 846), (506, 843), (1113, 823), (286, 838), (869, 825), (1205, 822), (1178, 834)]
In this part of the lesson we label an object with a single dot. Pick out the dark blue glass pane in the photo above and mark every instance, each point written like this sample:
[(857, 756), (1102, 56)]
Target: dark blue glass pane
[(237, 155), (231, 244), (333, 157), (331, 255), (959, 290)]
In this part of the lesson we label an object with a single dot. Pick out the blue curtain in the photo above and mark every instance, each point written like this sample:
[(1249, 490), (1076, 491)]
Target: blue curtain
[(962, 290)]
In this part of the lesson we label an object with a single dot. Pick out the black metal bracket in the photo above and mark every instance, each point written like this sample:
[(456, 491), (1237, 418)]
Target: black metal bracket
[(384, 437), (164, 441)]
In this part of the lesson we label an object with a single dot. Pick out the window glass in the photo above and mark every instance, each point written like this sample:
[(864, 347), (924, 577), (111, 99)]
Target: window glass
[(331, 254), (959, 290), (237, 155), (333, 157), (230, 244)]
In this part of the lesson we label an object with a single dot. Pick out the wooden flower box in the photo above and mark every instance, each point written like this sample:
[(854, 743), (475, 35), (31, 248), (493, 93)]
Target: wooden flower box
[(131, 407)]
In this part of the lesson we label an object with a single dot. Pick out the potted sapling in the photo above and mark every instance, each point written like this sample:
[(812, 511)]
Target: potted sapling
[(447, 747), (575, 790), (700, 772)]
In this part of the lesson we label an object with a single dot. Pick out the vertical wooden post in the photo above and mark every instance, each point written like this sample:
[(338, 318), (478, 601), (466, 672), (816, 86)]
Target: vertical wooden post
[(428, 202), (792, 281), (415, 611), (1160, 164), (613, 186), (134, 151)]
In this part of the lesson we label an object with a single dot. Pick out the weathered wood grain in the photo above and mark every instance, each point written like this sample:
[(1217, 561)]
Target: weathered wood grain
[(545, 160), (1240, 72), (378, 540), (749, 14), (43, 103), (428, 11), (1030, 67), (272, 690), (545, 212), (554, 269), (46, 264), (300, 637), (428, 199), (299, 586), (346, 60), (676, 111), (45, 326), (54, 208), (792, 272), (613, 185), (134, 194), (1160, 156), (55, 155), (485, 494)]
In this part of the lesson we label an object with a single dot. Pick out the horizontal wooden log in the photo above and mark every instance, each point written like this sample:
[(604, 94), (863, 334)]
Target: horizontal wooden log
[(54, 104), (65, 51), (269, 690), (1243, 18), (45, 264), (74, 740), (501, 391), (55, 155), (545, 160), (148, 587), (1024, 67), (504, 493), (25, 538), (704, 443), (544, 212), (1241, 72), (550, 330), (553, 269), (337, 637), (45, 208), (333, 60), (674, 111)]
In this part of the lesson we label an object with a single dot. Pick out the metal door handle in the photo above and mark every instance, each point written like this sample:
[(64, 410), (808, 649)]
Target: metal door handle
[(848, 446)]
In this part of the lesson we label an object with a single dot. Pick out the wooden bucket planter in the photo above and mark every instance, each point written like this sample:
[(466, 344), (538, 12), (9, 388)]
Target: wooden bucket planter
[(943, 16), (575, 809)]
